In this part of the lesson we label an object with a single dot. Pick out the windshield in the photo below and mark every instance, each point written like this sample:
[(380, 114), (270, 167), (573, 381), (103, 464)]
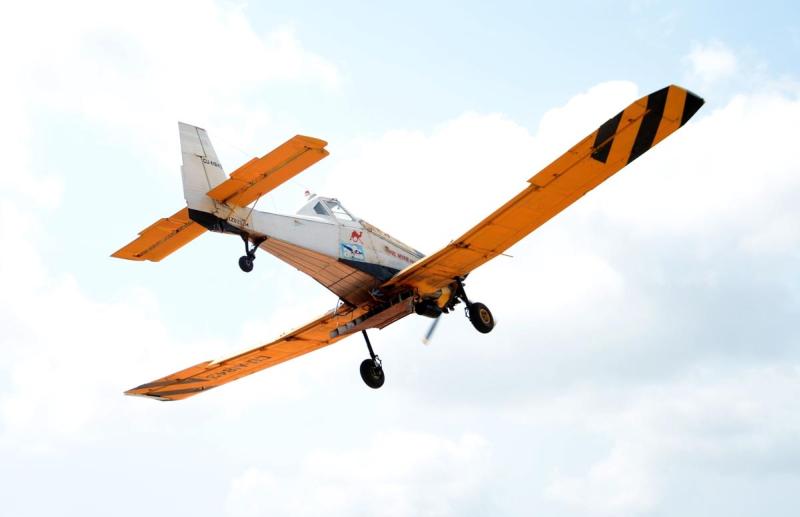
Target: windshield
[(318, 208), (338, 210)]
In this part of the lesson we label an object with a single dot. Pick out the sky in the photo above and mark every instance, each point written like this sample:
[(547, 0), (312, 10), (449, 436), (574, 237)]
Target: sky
[(645, 360)]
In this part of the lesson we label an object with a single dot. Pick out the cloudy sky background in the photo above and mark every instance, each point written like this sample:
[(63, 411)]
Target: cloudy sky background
[(646, 358)]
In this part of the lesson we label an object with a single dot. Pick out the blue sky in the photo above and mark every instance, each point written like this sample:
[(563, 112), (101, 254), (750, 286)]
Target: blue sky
[(645, 360)]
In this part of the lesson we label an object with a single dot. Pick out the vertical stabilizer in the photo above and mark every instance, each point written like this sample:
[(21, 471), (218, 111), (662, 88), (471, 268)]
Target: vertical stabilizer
[(201, 169)]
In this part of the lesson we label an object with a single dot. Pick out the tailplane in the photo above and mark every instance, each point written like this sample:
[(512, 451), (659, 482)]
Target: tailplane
[(207, 189)]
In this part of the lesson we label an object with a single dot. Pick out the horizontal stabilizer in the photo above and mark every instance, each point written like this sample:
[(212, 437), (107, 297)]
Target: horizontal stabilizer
[(162, 238), (260, 175)]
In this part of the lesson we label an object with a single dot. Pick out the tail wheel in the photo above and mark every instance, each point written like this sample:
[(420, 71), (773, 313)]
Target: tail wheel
[(246, 260), (372, 373), (480, 317), (246, 263)]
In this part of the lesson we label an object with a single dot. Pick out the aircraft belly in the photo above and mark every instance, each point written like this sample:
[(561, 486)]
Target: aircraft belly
[(348, 283)]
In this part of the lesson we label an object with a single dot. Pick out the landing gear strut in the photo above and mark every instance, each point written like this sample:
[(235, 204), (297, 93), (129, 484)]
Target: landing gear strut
[(371, 369), (478, 313), (246, 260)]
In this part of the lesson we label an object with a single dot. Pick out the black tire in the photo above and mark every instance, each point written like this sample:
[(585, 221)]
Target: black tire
[(372, 374), (481, 318), (245, 263)]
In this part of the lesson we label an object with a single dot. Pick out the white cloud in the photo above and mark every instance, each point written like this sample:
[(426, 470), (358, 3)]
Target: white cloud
[(712, 62), (704, 423), (136, 69), (618, 484), (396, 474)]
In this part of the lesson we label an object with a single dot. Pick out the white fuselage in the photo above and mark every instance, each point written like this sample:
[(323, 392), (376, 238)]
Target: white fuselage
[(323, 233)]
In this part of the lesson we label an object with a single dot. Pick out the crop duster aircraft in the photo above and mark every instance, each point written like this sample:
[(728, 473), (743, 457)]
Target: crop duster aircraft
[(378, 279)]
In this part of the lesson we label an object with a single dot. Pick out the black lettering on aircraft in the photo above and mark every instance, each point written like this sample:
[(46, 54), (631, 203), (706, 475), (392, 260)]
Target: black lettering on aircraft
[(210, 162)]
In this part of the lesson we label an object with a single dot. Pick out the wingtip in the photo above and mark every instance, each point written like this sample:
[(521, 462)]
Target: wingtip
[(313, 143), (693, 103), (134, 393)]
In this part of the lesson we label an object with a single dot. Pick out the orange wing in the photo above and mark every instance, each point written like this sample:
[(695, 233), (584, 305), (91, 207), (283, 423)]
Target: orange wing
[(162, 238), (616, 143), (260, 175), (210, 374)]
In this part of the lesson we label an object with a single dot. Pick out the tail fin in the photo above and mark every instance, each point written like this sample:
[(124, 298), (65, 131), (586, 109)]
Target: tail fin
[(201, 172), (201, 169)]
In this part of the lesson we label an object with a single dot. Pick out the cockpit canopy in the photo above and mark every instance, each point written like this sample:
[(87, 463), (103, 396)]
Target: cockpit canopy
[(327, 207)]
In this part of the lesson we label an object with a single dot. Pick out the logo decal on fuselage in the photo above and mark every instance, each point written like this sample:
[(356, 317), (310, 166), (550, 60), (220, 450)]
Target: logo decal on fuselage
[(351, 251), (356, 237)]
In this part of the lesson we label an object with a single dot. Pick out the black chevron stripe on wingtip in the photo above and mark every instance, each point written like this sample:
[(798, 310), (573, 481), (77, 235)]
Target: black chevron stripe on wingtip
[(693, 103), (656, 102), (605, 137)]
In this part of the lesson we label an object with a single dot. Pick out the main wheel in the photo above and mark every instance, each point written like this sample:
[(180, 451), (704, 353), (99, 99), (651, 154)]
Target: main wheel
[(246, 263), (480, 317), (372, 374)]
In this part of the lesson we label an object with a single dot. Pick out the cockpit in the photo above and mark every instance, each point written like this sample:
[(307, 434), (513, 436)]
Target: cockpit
[(327, 207)]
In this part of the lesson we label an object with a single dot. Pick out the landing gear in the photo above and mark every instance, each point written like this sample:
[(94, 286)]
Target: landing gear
[(372, 373), (246, 260), (480, 317), (479, 314), (246, 263), (371, 369)]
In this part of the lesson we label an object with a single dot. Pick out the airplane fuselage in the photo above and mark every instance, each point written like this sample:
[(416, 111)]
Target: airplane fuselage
[(346, 254)]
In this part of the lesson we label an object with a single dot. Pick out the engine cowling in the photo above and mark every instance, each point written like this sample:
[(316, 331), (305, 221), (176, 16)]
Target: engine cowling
[(427, 308)]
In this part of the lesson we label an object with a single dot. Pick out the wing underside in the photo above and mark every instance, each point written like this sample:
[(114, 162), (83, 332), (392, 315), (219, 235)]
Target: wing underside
[(616, 143), (210, 374)]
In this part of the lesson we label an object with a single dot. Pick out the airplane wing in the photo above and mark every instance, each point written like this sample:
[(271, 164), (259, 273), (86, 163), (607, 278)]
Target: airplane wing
[(210, 374), (616, 143), (161, 238), (260, 175)]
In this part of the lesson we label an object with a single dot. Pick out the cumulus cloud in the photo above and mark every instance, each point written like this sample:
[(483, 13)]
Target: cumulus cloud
[(712, 62), (619, 483), (136, 68), (69, 355), (396, 474), (704, 424)]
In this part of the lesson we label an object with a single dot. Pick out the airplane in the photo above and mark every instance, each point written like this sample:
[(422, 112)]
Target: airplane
[(377, 278)]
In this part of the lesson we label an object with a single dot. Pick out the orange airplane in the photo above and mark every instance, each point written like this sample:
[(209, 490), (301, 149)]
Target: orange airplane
[(377, 278)]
